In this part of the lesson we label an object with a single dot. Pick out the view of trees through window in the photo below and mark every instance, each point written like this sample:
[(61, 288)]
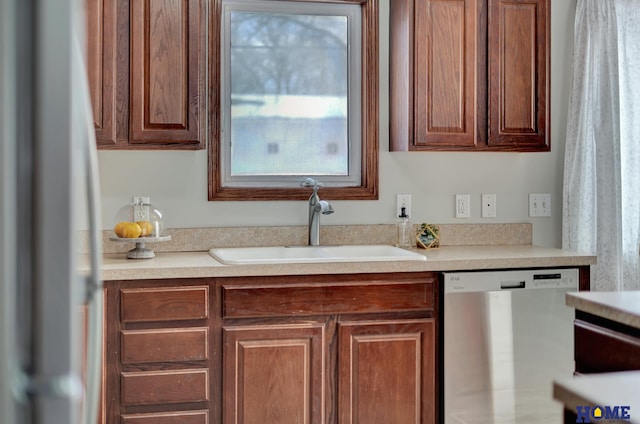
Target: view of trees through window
[(289, 89)]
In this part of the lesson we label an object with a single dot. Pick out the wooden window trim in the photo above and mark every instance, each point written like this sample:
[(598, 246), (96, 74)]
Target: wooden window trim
[(368, 188)]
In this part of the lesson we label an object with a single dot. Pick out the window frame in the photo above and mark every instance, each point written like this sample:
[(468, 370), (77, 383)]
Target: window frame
[(368, 186)]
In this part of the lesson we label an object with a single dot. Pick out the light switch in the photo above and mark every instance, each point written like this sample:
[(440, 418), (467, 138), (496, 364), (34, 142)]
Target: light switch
[(539, 204)]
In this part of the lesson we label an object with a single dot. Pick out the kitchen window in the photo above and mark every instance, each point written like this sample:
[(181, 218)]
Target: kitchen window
[(294, 94)]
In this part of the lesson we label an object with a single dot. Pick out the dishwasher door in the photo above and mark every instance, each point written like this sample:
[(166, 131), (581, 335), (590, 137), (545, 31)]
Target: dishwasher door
[(507, 335)]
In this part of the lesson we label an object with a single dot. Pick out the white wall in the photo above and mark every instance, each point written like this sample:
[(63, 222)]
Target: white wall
[(177, 181)]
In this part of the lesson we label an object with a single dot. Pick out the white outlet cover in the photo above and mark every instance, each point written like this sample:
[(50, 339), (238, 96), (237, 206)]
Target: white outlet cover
[(403, 200), (140, 212), (489, 206), (462, 206)]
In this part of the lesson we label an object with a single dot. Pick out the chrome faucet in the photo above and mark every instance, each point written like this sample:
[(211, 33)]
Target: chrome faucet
[(316, 207)]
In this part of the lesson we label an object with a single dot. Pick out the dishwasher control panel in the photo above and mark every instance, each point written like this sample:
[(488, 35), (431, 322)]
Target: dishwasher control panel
[(554, 280), (527, 279)]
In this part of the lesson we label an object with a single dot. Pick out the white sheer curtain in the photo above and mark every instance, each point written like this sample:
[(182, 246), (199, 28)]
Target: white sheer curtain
[(601, 211)]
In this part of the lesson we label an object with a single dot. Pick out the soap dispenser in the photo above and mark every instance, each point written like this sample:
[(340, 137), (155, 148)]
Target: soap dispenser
[(404, 230)]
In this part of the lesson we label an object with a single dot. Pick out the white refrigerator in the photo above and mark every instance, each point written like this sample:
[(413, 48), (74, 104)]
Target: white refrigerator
[(49, 364)]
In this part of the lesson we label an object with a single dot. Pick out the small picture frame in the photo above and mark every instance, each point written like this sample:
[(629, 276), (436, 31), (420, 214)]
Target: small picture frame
[(428, 236)]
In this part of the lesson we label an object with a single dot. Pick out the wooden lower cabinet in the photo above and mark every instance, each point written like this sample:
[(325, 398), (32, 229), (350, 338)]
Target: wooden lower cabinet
[(193, 417), (387, 372), (276, 373), (158, 355), (357, 348), (602, 345), (273, 374)]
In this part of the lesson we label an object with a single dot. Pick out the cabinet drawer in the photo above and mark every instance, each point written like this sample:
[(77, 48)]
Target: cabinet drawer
[(164, 304), (161, 387), (599, 349), (170, 345), (182, 417), (326, 298)]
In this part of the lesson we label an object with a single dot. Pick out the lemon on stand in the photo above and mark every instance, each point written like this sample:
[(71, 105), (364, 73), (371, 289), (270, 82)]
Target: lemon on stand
[(146, 227), (127, 230)]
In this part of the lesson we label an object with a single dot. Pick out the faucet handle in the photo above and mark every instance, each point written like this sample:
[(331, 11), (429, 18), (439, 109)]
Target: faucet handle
[(310, 182)]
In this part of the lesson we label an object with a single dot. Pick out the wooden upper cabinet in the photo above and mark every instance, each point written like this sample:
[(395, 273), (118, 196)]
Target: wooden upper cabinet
[(168, 39), (519, 74), (146, 66), (101, 67), (446, 101), (469, 75)]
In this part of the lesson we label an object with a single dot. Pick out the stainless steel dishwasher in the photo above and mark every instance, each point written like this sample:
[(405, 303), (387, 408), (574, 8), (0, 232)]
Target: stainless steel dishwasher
[(507, 335)]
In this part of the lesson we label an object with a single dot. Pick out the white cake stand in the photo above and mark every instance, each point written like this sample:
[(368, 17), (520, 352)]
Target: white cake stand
[(140, 251)]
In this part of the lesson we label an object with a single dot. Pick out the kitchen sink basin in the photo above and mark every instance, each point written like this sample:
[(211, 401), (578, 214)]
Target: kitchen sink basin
[(313, 254)]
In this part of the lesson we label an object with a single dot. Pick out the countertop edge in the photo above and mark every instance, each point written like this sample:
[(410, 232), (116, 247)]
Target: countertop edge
[(454, 258), (608, 305)]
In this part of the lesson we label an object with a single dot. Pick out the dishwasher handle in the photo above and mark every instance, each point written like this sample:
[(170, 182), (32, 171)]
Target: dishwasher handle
[(507, 285)]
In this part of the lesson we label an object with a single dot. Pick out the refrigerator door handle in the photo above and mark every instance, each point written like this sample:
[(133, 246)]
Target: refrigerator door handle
[(61, 386), (94, 295)]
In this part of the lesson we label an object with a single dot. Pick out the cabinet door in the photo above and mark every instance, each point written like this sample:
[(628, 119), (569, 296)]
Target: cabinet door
[(446, 86), (273, 374), (518, 74), (167, 101), (387, 372), (101, 67)]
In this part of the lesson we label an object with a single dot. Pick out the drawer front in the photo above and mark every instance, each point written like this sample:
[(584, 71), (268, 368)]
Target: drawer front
[(297, 299), (599, 349), (164, 304), (182, 417), (162, 387), (170, 345)]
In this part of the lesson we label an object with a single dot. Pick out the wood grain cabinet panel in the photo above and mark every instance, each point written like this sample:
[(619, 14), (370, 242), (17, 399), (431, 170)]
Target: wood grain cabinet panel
[(167, 345), (163, 387), (387, 372), (297, 299), (168, 39), (101, 67), (446, 101), (164, 304), (273, 374), (518, 73), (180, 417)]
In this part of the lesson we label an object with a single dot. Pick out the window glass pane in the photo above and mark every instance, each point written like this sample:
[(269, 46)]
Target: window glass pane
[(289, 94)]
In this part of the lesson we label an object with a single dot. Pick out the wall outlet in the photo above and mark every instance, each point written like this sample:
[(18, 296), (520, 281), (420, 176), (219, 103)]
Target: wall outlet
[(140, 208), (462, 206), (403, 201), (539, 204), (488, 205)]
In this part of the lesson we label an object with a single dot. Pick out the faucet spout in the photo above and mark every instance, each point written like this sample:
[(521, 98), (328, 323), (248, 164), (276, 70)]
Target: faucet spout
[(316, 207)]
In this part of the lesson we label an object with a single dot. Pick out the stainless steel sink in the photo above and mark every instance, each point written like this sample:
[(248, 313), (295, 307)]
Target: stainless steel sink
[(313, 254)]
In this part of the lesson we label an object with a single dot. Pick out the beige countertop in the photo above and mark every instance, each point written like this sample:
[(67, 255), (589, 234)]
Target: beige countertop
[(619, 306), (116, 266), (610, 389)]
